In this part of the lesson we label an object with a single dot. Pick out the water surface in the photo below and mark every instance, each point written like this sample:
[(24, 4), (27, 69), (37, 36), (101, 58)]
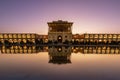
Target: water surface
[(59, 64)]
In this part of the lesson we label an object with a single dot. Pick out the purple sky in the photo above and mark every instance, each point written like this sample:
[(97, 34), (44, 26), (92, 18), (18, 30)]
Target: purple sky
[(89, 16)]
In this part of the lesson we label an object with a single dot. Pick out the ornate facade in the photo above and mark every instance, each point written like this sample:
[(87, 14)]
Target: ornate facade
[(60, 31)]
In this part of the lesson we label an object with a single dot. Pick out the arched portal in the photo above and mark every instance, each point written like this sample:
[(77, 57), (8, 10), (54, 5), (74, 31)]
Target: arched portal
[(59, 39)]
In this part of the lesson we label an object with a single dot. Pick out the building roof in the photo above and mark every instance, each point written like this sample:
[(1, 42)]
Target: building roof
[(59, 22)]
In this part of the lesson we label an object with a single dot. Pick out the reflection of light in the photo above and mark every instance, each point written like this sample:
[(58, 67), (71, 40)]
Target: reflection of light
[(100, 40), (77, 48), (46, 48), (74, 50)]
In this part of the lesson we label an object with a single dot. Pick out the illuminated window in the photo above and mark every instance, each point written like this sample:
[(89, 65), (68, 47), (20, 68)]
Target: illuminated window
[(101, 36), (5, 36), (33, 35), (110, 36), (24, 40), (46, 40), (1, 36), (91, 40), (10, 40), (77, 40), (19, 35), (10, 35), (105, 36), (50, 28), (86, 35), (14, 36), (119, 36), (19, 40), (105, 40), (91, 35), (23, 35), (59, 38), (28, 35), (100, 40), (96, 36), (114, 36)]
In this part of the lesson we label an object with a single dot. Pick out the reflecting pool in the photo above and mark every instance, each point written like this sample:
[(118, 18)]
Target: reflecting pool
[(60, 63)]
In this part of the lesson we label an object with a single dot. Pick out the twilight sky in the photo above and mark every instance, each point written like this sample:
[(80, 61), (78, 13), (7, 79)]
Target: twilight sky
[(89, 16)]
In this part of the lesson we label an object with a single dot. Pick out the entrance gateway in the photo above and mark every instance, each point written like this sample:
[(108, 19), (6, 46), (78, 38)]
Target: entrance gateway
[(60, 31), (59, 39)]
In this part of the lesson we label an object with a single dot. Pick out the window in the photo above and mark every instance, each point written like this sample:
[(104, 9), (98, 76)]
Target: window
[(19, 35), (96, 36), (23, 36), (68, 28), (114, 36), (100, 36), (24, 40), (10, 35), (86, 35), (33, 35), (1, 36), (91, 35), (14, 36), (50, 28), (119, 36), (109, 36), (105, 36), (5, 36), (14, 40), (28, 36)]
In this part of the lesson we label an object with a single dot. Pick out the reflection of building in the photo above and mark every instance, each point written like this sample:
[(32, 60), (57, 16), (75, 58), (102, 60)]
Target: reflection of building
[(23, 49), (18, 49), (60, 31), (59, 55), (97, 49)]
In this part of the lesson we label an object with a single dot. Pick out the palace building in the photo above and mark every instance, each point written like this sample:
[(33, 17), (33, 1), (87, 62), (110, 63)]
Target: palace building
[(59, 32)]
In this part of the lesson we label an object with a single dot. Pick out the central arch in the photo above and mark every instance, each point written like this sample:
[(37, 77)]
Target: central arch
[(59, 38)]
